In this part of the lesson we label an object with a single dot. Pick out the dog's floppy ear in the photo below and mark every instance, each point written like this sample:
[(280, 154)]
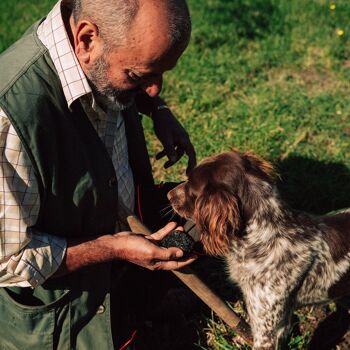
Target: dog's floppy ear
[(218, 219)]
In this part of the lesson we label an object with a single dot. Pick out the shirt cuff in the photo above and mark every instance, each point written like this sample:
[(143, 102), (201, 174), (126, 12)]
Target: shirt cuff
[(33, 265)]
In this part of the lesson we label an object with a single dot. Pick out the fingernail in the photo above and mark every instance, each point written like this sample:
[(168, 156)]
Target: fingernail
[(179, 254)]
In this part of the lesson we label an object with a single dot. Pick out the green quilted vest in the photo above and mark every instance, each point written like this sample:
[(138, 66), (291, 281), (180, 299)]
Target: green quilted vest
[(78, 196)]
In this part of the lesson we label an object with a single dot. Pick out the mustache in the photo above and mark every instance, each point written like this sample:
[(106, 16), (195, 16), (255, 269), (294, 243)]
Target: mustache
[(104, 91), (107, 94)]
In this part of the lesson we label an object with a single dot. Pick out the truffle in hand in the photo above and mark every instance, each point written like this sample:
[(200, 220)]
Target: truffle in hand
[(178, 239)]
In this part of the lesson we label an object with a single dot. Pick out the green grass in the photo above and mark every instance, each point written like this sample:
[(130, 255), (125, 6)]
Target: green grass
[(267, 75), (271, 76)]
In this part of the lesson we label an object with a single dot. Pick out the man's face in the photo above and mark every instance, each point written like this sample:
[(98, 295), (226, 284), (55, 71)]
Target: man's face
[(124, 72), (140, 62)]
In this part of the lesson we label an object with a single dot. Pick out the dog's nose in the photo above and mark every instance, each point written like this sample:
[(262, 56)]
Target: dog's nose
[(170, 195)]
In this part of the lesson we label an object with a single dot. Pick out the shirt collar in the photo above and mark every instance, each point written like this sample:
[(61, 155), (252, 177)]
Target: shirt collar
[(52, 33)]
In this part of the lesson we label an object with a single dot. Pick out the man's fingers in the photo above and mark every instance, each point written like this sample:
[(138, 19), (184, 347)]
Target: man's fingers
[(168, 258), (161, 154), (174, 265), (175, 156), (179, 153), (192, 160), (160, 234), (170, 153), (161, 254), (171, 254)]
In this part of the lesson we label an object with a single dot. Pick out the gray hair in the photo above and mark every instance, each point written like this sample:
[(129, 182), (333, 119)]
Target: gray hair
[(115, 17)]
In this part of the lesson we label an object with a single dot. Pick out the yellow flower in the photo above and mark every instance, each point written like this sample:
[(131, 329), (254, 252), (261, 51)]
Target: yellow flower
[(340, 32), (332, 6)]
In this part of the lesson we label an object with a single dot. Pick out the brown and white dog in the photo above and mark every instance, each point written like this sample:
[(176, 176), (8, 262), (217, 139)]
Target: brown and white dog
[(281, 258)]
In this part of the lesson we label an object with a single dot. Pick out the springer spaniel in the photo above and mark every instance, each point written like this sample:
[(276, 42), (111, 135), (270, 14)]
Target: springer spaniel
[(281, 258)]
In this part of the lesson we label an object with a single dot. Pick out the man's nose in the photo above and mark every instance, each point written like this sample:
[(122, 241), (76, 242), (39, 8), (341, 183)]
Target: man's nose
[(153, 87)]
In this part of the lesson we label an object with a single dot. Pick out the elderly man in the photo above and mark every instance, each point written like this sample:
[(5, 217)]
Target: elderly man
[(72, 151)]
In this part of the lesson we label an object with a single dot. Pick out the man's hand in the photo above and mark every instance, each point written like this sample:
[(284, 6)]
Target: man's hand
[(135, 248), (169, 131), (144, 250), (174, 139)]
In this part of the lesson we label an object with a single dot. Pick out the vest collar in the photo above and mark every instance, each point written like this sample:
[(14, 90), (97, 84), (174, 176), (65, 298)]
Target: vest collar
[(52, 33)]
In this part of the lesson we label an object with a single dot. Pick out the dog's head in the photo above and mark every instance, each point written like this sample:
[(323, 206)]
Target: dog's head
[(220, 195)]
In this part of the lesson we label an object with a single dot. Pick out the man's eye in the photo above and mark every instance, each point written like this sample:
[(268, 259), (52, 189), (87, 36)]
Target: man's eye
[(135, 78)]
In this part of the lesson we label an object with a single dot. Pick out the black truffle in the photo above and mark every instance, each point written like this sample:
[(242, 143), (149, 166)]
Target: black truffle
[(178, 239)]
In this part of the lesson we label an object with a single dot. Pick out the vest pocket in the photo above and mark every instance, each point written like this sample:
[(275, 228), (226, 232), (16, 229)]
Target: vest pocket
[(32, 327)]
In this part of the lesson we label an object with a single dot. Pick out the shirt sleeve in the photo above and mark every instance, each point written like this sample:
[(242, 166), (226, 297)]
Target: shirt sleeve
[(27, 257)]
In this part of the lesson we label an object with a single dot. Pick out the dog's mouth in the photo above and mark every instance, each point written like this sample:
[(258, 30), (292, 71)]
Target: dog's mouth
[(178, 209)]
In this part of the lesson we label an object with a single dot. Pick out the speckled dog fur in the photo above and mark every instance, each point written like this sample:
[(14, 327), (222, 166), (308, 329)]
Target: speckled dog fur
[(280, 258)]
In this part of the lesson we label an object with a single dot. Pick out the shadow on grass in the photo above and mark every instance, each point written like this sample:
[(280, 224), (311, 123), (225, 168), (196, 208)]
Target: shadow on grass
[(314, 186), (332, 332), (318, 187)]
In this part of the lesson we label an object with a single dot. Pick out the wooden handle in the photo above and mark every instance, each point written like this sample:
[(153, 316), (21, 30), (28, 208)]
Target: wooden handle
[(189, 278), (137, 226)]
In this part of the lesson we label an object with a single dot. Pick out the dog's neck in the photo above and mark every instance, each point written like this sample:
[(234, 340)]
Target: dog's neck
[(267, 216)]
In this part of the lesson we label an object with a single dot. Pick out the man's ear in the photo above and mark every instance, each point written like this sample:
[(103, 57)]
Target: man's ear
[(217, 216), (87, 42)]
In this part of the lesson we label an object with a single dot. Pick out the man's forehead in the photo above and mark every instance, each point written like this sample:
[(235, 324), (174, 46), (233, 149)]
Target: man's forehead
[(145, 61), (150, 34), (155, 68)]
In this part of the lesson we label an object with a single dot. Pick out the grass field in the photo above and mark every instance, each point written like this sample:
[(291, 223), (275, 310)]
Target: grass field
[(267, 75)]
